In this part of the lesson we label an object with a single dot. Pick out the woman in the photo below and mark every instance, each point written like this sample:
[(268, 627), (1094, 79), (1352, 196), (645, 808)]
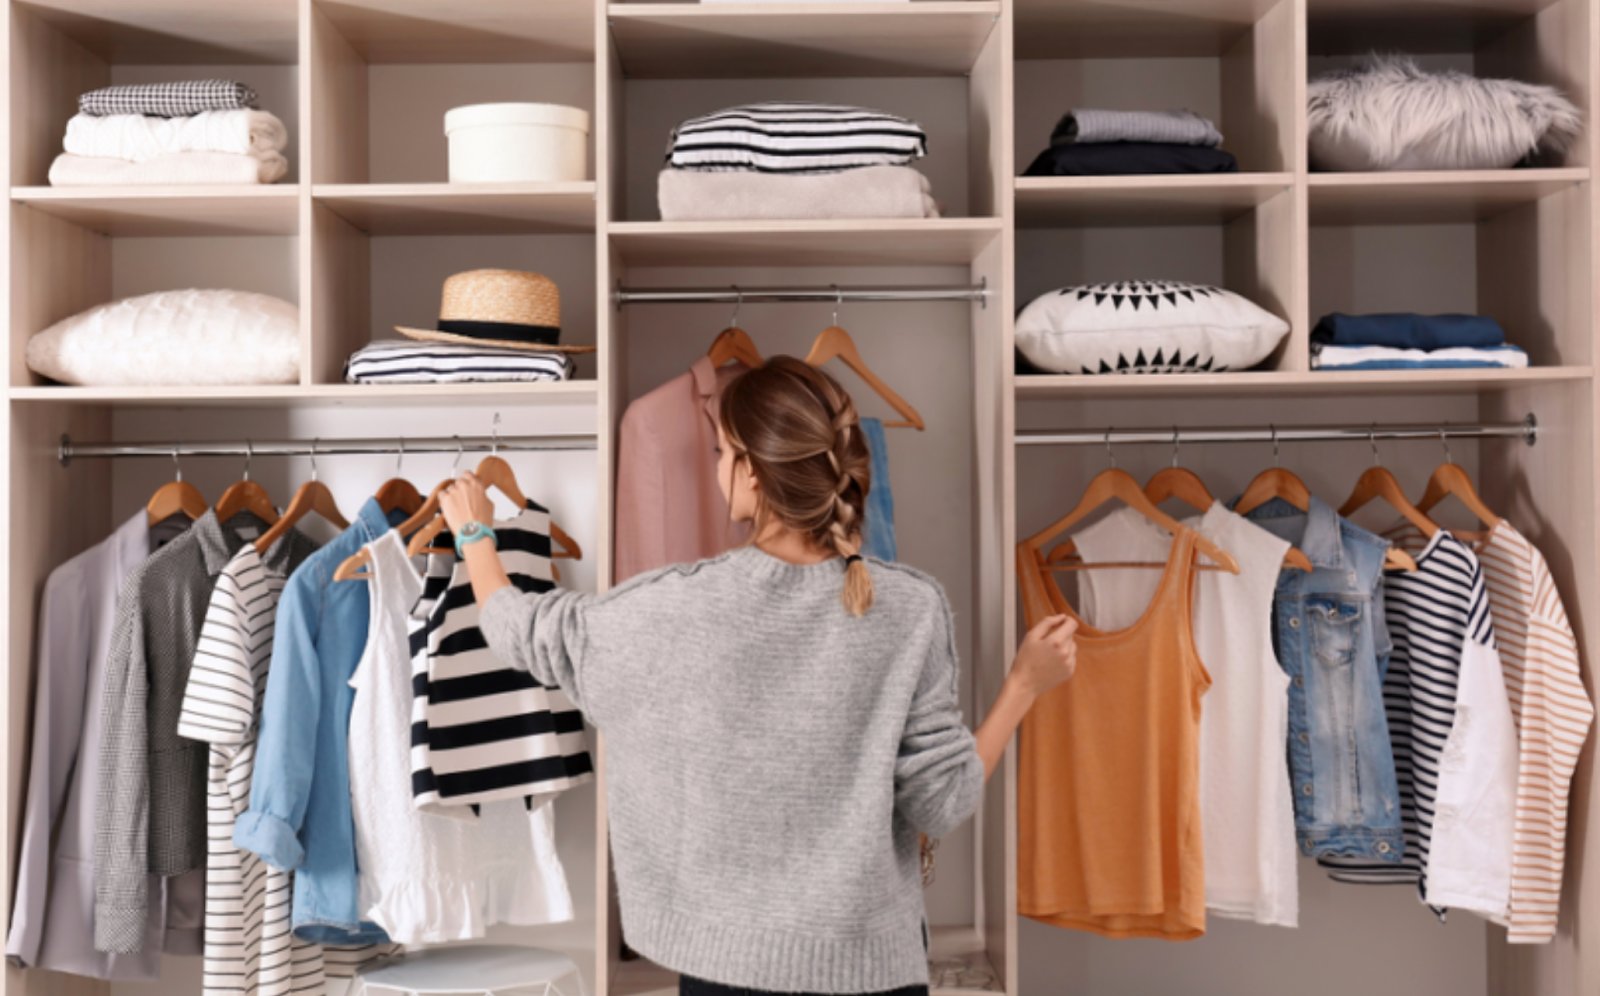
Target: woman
[(781, 721)]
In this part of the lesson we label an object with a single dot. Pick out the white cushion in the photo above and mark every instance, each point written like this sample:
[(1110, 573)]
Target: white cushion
[(186, 338), (1388, 114), (1146, 326)]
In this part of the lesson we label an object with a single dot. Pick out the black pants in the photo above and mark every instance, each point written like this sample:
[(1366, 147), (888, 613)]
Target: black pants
[(688, 985)]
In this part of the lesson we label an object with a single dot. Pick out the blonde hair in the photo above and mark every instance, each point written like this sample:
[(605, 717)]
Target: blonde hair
[(798, 432)]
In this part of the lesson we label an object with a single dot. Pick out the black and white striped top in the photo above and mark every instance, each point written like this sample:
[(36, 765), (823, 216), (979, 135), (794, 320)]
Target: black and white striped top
[(249, 948), (481, 729), (396, 361), (795, 138), (1432, 613)]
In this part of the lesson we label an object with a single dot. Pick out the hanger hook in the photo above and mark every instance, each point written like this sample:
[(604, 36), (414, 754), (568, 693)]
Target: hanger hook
[(494, 438), (313, 458), (177, 468), (400, 460), (1442, 442), (461, 452), (1372, 440), (249, 455), (1110, 455), (738, 302), (1274, 444), (1174, 447), (838, 299)]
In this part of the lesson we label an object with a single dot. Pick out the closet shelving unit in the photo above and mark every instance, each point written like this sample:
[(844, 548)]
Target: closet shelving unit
[(360, 207)]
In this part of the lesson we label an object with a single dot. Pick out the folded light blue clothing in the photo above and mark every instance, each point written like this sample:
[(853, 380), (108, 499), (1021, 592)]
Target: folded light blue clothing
[(1387, 358), (1409, 331), (878, 536)]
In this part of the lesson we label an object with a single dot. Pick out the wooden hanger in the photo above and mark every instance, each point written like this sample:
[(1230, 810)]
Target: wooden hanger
[(733, 343), (246, 496), (495, 473), (313, 496), (347, 570), (1449, 480), (1275, 482), (835, 342), (397, 492), (1377, 482), (174, 497), (1114, 483)]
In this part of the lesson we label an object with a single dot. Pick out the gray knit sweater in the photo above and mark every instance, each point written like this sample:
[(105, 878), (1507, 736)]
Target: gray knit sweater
[(769, 760)]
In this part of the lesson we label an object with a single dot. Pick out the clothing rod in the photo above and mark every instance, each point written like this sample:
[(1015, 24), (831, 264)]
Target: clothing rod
[(396, 446), (1526, 430), (736, 295)]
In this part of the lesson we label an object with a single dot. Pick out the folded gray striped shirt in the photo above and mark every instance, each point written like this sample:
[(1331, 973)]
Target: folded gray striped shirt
[(167, 100), (1085, 127), (402, 361)]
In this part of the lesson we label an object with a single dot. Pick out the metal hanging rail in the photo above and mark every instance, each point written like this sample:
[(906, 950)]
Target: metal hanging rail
[(833, 293), (397, 446), (1527, 430)]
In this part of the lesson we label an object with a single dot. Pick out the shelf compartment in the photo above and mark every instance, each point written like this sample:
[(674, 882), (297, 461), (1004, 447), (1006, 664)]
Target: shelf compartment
[(464, 31), (871, 242), (1355, 27), (1130, 201), (689, 41), (463, 209), (570, 392), (1431, 198), (142, 212), (1158, 29), (1328, 384), (177, 32)]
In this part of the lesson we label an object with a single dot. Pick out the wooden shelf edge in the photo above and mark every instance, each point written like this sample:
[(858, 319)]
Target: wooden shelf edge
[(573, 391), (445, 191), (691, 12), (1447, 178), (253, 191), (1184, 181), (804, 227), (1330, 383)]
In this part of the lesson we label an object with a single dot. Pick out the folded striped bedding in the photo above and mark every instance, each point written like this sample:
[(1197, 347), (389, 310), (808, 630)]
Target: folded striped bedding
[(396, 361), (794, 138), (1391, 358)]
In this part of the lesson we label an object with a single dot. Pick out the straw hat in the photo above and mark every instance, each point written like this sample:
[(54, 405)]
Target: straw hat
[(499, 308)]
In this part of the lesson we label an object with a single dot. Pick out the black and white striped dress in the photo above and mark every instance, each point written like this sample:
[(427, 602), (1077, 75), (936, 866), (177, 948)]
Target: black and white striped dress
[(249, 948), (482, 730), (1432, 614), (792, 137)]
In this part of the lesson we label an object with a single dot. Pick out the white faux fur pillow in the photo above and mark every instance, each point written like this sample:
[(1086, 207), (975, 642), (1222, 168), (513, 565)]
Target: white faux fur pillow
[(187, 338), (1388, 114), (1146, 326)]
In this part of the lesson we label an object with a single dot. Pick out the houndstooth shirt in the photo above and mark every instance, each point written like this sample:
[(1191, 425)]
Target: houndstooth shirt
[(150, 816), (167, 100)]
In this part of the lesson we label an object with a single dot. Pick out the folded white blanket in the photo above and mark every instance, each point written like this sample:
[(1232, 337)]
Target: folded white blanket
[(1390, 358), (869, 192), (180, 168), (138, 138)]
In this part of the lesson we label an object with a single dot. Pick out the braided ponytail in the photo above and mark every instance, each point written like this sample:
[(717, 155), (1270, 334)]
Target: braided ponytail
[(799, 432)]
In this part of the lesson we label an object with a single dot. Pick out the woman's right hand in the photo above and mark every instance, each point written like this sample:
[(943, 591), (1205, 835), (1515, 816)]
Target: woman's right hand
[(1048, 655)]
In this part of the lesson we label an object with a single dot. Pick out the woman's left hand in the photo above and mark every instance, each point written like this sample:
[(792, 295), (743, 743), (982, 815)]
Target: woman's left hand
[(466, 501)]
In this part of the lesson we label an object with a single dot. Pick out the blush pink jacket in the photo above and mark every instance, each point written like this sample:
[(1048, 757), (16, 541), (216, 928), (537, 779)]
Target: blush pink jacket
[(670, 509)]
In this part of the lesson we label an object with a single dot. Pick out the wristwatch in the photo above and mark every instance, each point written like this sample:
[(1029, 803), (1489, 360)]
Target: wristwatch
[(472, 532)]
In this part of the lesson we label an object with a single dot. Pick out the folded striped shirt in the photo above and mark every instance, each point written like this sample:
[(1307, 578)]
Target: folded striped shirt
[(1086, 126), (168, 100), (794, 137), (1389, 358), (402, 361)]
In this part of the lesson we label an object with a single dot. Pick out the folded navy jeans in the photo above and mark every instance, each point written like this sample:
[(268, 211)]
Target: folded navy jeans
[(1409, 331)]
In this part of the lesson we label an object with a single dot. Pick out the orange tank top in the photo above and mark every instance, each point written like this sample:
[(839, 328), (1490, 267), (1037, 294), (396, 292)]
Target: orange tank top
[(1109, 812)]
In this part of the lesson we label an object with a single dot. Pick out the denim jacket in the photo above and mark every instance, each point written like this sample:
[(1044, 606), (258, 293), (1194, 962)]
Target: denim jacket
[(299, 817), (1329, 633)]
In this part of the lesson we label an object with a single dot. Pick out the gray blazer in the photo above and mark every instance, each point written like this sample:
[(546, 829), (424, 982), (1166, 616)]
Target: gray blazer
[(52, 922)]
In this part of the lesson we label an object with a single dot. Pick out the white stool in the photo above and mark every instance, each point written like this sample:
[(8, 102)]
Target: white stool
[(483, 970)]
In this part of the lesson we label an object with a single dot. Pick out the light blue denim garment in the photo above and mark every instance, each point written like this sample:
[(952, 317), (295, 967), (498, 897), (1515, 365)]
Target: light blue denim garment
[(1330, 637), (878, 536), (299, 817)]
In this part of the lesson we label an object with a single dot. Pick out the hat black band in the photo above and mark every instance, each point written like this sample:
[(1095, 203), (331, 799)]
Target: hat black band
[(544, 335)]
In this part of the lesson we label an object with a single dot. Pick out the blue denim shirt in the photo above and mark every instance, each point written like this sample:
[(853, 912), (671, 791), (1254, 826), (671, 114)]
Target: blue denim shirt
[(1329, 633), (878, 532), (299, 817)]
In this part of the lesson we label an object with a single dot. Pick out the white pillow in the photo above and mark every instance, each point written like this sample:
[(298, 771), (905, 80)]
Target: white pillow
[(1146, 326), (186, 338), (1388, 114)]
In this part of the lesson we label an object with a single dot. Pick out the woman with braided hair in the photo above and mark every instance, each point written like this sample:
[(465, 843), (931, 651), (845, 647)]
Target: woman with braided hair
[(781, 721)]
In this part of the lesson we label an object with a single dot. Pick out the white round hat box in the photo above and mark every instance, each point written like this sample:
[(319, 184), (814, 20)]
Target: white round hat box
[(517, 143)]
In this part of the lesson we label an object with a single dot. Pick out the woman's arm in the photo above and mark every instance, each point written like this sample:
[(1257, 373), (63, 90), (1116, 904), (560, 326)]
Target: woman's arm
[(467, 501), (1048, 656)]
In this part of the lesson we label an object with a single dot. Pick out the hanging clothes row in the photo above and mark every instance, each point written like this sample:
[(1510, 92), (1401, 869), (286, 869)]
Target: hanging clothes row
[(1405, 707), (244, 744)]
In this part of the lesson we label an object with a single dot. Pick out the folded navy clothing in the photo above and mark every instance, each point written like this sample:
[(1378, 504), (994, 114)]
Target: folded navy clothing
[(1130, 159), (1409, 331)]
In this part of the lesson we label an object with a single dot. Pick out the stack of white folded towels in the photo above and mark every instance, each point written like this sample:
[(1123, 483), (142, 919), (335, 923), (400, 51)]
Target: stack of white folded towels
[(795, 161), (189, 132)]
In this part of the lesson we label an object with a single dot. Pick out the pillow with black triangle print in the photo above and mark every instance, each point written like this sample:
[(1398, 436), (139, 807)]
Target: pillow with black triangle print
[(1146, 326)]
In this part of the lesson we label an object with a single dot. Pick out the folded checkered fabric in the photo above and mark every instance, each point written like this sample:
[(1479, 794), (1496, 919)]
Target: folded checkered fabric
[(400, 361), (168, 100), (794, 138)]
